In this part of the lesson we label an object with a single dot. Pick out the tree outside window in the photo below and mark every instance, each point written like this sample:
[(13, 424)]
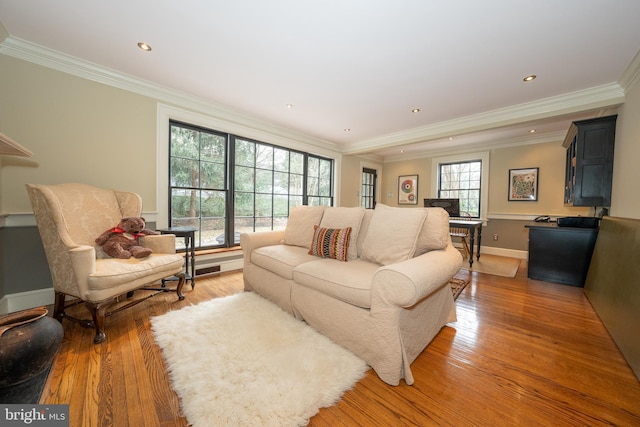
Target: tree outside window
[(462, 180), (223, 185)]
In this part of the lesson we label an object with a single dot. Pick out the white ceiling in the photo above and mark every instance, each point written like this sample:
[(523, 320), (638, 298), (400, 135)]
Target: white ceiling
[(362, 64)]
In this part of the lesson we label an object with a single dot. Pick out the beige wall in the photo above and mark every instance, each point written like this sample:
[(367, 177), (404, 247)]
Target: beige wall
[(392, 170), (625, 197), (351, 178), (78, 130), (550, 159)]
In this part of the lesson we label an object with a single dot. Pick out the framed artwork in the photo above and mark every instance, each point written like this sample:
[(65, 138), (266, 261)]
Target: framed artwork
[(408, 190), (523, 185)]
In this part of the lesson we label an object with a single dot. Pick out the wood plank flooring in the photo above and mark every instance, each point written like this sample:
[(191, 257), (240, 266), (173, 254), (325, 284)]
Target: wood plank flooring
[(523, 352)]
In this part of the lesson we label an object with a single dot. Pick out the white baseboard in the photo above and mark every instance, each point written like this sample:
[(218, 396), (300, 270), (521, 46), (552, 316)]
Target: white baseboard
[(24, 300), (512, 253)]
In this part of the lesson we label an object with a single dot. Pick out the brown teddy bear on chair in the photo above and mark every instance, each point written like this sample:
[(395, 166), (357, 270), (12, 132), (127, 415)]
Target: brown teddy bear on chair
[(121, 241)]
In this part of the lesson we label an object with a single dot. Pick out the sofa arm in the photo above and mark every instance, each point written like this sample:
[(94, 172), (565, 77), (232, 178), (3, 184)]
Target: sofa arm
[(251, 241), (83, 263), (160, 243), (405, 283)]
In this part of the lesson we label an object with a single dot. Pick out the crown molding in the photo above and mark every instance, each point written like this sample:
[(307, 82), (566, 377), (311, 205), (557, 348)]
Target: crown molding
[(583, 100), (36, 54), (506, 143), (631, 74)]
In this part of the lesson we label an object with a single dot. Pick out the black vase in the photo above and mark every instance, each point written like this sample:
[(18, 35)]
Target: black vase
[(29, 340)]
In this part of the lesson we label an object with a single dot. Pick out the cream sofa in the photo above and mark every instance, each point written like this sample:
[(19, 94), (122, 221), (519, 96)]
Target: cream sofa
[(389, 297)]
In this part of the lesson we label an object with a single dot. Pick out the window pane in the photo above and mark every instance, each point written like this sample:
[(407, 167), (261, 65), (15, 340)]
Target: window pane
[(183, 172), (244, 178), (244, 204), (325, 169), (212, 233), (212, 148), (184, 204), (212, 175), (264, 205), (245, 153), (314, 166), (280, 205), (264, 156), (297, 163), (243, 224), (324, 187), (312, 186), (295, 201), (213, 203), (184, 143), (281, 160), (296, 184), (281, 183), (264, 181), (264, 224)]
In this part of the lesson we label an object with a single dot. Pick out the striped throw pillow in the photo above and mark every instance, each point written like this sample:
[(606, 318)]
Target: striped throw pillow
[(330, 242)]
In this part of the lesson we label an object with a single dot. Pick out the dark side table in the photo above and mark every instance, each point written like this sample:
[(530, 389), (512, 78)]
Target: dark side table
[(189, 235)]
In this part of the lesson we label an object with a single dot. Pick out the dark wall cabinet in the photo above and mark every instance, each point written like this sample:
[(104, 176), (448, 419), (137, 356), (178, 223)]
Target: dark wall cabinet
[(560, 254), (589, 163)]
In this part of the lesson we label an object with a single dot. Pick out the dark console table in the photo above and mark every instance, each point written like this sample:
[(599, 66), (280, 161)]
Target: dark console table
[(475, 230), (560, 254), (188, 233)]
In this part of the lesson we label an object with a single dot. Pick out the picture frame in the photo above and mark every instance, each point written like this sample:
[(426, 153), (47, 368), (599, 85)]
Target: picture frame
[(523, 185), (408, 190)]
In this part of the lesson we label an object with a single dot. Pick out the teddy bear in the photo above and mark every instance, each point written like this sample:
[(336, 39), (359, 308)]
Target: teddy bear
[(121, 241)]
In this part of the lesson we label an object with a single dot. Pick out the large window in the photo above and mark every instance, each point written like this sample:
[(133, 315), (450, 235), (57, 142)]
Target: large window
[(462, 181), (223, 184), (464, 177)]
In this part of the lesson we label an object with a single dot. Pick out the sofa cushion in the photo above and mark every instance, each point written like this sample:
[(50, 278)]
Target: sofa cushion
[(299, 229), (346, 281), (393, 234), (435, 231), (281, 259), (343, 218), (330, 242), (364, 228)]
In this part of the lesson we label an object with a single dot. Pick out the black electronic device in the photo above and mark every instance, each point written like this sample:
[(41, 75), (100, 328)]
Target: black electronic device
[(579, 222), (452, 206)]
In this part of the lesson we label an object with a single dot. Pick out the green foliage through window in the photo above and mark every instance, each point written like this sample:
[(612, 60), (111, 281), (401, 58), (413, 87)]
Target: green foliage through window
[(462, 180), (254, 192)]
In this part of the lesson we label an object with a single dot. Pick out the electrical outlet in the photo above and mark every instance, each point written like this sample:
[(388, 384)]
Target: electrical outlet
[(495, 237)]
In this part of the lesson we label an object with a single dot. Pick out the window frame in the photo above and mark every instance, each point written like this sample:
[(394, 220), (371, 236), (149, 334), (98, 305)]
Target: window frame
[(326, 194), (368, 200), (482, 156)]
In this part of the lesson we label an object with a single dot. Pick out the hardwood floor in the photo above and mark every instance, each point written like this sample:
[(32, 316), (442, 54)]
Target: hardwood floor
[(523, 352)]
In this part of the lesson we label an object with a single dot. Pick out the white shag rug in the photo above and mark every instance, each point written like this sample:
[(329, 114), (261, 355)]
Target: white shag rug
[(240, 360)]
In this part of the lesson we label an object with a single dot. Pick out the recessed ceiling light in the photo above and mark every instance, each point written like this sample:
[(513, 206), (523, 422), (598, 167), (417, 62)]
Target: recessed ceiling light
[(415, 110), (401, 151), (450, 138), (144, 47), (347, 130), (532, 131), (289, 106), (529, 78)]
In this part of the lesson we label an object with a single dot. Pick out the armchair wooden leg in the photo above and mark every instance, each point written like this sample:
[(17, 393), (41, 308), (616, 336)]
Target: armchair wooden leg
[(58, 307), (181, 282), (98, 314)]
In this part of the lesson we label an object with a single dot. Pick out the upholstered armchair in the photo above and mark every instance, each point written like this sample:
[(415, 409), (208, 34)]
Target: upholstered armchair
[(70, 217)]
